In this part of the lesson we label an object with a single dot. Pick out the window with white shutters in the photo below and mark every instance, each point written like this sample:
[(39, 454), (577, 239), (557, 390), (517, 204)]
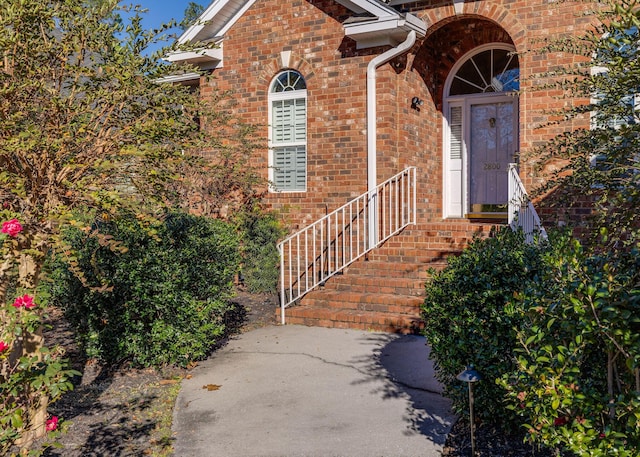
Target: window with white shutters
[(288, 132)]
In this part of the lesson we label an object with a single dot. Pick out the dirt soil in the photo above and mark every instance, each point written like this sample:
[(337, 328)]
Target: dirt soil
[(127, 412)]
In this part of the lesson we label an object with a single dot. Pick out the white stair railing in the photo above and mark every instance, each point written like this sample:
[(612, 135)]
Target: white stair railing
[(522, 214), (312, 255)]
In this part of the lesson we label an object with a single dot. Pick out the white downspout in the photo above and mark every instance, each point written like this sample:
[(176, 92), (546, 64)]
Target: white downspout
[(372, 130)]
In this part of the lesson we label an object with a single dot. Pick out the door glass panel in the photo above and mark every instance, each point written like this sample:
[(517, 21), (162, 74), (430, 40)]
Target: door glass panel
[(492, 146)]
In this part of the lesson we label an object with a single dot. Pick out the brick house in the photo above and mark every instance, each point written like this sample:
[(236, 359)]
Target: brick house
[(351, 93)]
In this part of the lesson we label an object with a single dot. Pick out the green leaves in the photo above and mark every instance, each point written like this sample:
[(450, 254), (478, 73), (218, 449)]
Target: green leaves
[(601, 160), (167, 292), (470, 316), (568, 340), (578, 359), (84, 116), (25, 382)]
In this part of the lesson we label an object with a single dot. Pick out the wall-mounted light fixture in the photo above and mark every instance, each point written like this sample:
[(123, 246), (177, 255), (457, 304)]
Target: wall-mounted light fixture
[(416, 103)]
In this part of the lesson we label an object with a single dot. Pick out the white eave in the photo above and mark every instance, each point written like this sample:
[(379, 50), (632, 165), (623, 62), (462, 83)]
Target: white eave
[(389, 30), (399, 2), (182, 78), (199, 57), (378, 24)]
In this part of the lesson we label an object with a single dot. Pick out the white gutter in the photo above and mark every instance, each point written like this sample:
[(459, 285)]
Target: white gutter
[(372, 168)]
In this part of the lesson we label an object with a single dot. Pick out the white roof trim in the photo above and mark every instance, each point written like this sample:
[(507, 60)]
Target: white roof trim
[(197, 56), (178, 78), (387, 30), (399, 2), (373, 7), (217, 7)]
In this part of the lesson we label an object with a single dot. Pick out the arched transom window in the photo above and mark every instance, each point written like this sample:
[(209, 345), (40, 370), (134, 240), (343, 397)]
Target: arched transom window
[(288, 132), (491, 70)]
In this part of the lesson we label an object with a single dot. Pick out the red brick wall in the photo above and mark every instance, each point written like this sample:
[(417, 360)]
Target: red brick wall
[(335, 73)]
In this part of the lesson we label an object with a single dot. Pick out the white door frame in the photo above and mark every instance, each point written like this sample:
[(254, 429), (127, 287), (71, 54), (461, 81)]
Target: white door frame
[(455, 170)]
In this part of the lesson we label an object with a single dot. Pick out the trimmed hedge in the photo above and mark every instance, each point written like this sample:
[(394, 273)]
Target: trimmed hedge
[(466, 323), (168, 294)]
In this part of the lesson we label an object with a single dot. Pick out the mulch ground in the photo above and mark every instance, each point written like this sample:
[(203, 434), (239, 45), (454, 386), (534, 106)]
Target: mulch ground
[(489, 442)]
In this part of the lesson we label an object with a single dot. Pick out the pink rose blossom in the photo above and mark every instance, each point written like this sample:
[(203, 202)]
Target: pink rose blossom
[(560, 421), (52, 423), (25, 301), (12, 227), (3, 346)]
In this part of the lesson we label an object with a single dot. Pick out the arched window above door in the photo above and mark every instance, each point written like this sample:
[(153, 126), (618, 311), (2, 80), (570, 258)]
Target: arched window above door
[(489, 70)]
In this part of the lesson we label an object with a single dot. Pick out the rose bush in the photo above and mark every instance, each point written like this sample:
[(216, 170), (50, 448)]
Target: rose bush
[(31, 375), (67, 143)]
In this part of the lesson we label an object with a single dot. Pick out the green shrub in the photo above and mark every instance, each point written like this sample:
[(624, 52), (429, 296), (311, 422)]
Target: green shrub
[(577, 383), (465, 320), (167, 294), (260, 234)]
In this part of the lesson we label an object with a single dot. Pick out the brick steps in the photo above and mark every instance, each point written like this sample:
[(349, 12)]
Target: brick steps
[(384, 292), (382, 269), (371, 321), (372, 295), (363, 301), (376, 284)]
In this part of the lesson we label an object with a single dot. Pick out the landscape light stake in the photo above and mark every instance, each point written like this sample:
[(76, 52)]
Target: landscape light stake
[(469, 375)]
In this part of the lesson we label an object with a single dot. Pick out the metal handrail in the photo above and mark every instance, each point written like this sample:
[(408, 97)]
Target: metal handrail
[(522, 214), (319, 251)]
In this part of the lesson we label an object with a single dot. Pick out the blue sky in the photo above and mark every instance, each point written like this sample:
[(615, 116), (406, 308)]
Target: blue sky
[(162, 11)]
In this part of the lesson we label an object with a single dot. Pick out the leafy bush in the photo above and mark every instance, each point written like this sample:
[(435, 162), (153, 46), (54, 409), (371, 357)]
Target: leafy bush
[(32, 375), (260, 234), (167, 293), (465, 320), (577, 383)]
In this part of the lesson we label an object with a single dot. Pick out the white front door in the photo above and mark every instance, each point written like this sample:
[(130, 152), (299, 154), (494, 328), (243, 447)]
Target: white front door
[(491, 148)]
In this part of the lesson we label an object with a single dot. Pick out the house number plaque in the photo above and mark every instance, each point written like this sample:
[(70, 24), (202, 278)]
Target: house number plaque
[(491, 166)]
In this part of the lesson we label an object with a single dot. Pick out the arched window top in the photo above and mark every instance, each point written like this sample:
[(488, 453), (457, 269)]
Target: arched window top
[(489, 70), (288, 80)]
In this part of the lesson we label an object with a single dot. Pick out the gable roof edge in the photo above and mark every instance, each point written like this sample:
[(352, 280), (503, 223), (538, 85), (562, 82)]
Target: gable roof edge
[(234, 9)]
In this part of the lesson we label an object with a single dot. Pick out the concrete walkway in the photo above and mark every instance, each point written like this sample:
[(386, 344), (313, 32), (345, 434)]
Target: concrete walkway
[(294, 391)]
